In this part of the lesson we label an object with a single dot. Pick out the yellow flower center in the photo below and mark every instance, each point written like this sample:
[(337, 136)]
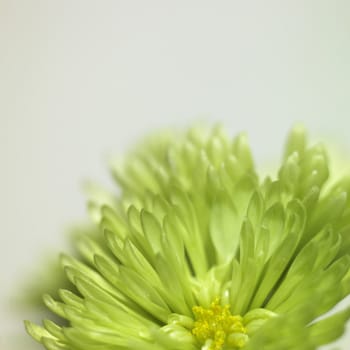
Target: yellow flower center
[(217, 327)]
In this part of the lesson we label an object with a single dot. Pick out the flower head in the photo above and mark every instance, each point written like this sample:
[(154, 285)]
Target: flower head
[(198, 252)]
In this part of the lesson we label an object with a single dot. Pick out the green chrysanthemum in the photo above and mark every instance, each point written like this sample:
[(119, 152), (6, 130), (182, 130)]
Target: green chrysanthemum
[(199, 253)]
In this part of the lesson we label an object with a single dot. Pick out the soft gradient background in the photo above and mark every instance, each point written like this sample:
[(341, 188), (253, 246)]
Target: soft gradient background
[(80, 80)]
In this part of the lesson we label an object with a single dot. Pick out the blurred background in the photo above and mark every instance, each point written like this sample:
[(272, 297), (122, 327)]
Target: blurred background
[(81, 80)]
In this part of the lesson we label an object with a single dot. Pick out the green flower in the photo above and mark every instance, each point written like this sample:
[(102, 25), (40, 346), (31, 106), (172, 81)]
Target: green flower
[(199, 253)]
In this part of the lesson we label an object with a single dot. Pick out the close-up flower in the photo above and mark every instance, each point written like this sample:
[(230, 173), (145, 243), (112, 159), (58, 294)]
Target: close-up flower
[(196, 250)]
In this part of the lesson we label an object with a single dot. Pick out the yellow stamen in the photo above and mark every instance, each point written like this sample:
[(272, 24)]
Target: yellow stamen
[(216, 324)]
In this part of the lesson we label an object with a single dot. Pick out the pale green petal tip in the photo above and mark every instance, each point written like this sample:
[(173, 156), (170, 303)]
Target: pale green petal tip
[(198, 253)]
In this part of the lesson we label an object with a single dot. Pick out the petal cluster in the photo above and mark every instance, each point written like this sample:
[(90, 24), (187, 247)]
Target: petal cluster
[(199, 252)]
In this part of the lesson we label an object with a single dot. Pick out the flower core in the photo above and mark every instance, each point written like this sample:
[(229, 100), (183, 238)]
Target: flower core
[(216, 326)]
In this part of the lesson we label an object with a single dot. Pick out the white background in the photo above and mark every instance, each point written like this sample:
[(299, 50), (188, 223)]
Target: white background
[(80, 80)]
